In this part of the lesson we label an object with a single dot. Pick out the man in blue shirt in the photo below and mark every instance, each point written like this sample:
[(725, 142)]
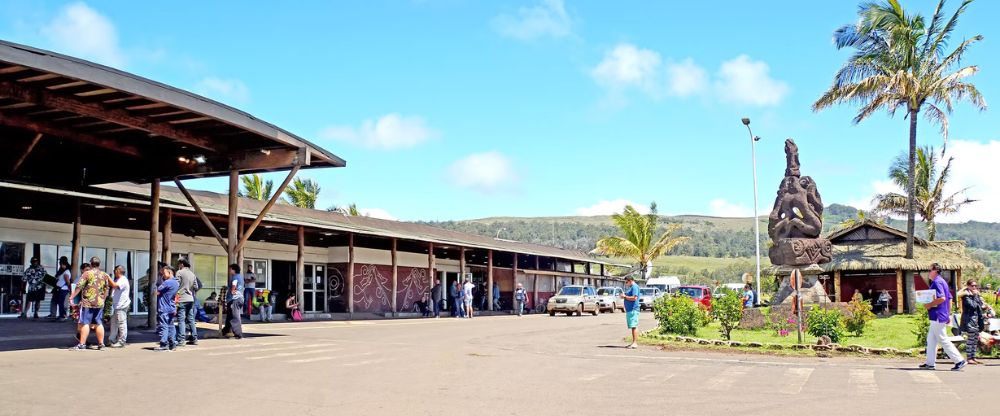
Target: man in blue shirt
[(234, 302), (939, 312), (631, 297), (166, 307)]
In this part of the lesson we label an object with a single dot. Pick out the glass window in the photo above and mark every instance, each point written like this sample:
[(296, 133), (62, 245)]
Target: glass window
[(571, 291), (100, 253), (11, 270)]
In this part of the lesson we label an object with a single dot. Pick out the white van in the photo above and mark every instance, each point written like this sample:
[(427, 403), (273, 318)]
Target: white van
[(666, 284)]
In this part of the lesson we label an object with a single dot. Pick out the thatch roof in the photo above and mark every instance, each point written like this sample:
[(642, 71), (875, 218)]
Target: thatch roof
[(872, 246)]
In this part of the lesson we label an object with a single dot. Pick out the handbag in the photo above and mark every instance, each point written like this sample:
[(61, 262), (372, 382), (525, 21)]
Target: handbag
[(296, 315)]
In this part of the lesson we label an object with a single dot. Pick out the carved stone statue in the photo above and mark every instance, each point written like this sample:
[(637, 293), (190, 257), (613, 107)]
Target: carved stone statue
[(796, 221)]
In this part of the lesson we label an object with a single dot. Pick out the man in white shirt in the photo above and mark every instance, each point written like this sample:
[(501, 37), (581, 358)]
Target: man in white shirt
[(467, 289), (120, 303)]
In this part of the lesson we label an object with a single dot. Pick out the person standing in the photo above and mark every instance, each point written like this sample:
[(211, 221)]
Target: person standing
[(496, 297), (467, 295), (64, 278), (234, 302), (972, 319), (93, 291), (166, 309), (631, 297), (939, 313), (437, 292), (458, 305), (747, 297), (186, 286), (520, 298), (120, 303), (250, 287), (34, 287)]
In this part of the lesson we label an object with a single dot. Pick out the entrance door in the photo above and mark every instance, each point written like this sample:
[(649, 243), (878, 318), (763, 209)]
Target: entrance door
[(314, 288), (260, 271)]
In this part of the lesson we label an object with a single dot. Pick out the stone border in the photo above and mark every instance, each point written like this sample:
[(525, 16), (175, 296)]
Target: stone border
[(857, 349)]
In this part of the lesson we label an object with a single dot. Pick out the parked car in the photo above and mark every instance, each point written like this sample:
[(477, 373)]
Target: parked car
[(666, 284), (700, 294), (574, 299), (648, 295), (732, 287), (609, 299)]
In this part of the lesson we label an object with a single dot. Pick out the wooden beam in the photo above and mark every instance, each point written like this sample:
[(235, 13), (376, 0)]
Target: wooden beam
[(96, 110), (249, 161), (24, 156), (489, 279), (267, 208), (350, 273), (154, 249), (300, 267), (201, 214), (63, 133), (395, 275), (461, 264)]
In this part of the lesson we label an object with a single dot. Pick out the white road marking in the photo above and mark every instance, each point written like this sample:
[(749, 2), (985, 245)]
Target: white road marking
[(294, 347), (326, 358), (794, 379), (592, 377), (863, 382), (722, 360), (725, 379), (365, 362), (928, 379), (231, 346), (292, 354)]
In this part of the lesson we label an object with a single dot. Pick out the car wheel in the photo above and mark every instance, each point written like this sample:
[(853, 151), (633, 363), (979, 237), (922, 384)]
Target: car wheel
[(595, 311), (612, 308), (552, 313), (579, 310), (569, 313)]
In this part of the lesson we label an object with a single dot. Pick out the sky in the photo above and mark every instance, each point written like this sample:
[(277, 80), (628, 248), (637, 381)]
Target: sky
[(460, 109)]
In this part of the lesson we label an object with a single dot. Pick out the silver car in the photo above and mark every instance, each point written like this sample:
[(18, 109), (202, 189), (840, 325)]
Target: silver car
[(647, 296), (609, 299), (573, 299)]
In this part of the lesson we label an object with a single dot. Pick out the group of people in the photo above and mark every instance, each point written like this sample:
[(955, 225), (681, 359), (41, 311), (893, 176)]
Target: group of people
[(464, 296), (975, 313)]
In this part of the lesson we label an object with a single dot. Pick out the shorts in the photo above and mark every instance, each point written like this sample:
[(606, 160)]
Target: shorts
[(467, 301), (91, 316), (632, 318)]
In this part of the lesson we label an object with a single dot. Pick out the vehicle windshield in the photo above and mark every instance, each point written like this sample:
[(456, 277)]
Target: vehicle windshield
[(648, 291), (663, 288), (690, 292), (605, 291), (571, 291)]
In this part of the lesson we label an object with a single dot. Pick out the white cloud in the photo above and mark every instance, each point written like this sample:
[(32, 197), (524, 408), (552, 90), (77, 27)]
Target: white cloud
[(224, 89), (377, 213), (628, 66), (391, 131), (546, 19), (604, 207), (745, 81), (484, 172), (721, 208), (81, 31), (974, 168), (686, 78)]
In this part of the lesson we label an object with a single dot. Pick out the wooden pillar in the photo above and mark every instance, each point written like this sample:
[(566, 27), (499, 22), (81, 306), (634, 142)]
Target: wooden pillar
[(461, 264), (534, 295), (958, 284), (154, 250), (515, 283), (300, 267), (75, 254), (489, 279), (239, 250), (350, 273), (395, 276), (168, 230), (899, 291), (232, 230), (430, 268), (836, 286)]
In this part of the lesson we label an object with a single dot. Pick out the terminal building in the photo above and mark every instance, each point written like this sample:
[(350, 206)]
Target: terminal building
[(87, 148)]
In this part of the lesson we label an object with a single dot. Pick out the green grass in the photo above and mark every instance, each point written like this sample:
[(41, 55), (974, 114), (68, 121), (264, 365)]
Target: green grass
[(895, 332)]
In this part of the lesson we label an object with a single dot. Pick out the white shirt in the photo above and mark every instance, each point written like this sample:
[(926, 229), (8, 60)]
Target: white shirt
[(66, 275), (120, 295), (468, 290)]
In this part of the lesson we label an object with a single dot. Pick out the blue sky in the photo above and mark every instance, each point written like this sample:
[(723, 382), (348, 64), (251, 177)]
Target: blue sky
[(453, 109)]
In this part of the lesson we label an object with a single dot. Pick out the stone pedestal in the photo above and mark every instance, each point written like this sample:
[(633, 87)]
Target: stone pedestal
[(812, 290), (801, 251)]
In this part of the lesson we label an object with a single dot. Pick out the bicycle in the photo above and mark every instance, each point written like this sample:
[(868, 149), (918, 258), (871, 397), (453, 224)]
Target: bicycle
[(542, 306)]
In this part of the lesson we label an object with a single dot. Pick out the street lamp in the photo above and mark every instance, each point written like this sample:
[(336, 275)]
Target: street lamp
[(756, 220)]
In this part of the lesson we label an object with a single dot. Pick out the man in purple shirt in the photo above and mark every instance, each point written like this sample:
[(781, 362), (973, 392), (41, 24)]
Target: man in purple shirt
[(939, 312)]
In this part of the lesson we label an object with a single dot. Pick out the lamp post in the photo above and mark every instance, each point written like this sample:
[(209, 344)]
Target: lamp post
[(756, 221)]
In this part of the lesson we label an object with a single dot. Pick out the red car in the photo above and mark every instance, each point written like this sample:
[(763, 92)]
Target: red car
[(700, 294)]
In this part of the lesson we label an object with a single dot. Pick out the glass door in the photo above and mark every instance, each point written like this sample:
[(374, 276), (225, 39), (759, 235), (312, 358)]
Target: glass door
[(314, 288), (260, 271)]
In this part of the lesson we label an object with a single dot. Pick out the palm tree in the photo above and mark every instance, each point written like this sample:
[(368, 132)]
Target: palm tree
[(929, 190), (302, 193), (351, 210), (639, 243), (860, 217), (255, 187), (900, 62)]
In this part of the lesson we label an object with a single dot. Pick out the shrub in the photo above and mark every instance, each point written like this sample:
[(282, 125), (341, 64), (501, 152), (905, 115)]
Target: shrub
[(829, 322), (728, 310), (679, 315), (921, 326), (860, 314)]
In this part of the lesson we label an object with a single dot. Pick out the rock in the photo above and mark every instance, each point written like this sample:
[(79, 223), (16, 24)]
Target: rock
[(823, 340), (754, 345), (704, 342), (735, 344), (721, 343), (800, 347), (821, 348)]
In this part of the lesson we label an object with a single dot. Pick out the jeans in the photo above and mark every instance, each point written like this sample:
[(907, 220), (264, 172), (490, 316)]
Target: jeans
[(185, 322), (459, 308), (233, 319), (265, 312), (248, 297), (437, 308), (936, 334), (119, 326), (165, 329), (58, 303), (519, 307)]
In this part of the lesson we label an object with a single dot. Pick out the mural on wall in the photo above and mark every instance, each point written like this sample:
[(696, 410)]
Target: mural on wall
[(411, 288), (372, 287), (336, 281)]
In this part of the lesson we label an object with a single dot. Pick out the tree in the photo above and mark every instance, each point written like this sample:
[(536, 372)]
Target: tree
[(639, 243), (930, 199), (302, 193), (900, 62), (255, 187), (729, 311), (350, 210), (861, 216)]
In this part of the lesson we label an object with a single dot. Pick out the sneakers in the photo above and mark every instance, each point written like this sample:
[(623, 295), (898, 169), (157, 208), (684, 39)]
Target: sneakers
[(959, 366), (78, 347), (162, 348), (117, 345), (100, 347), (632, 346), (926, 367)]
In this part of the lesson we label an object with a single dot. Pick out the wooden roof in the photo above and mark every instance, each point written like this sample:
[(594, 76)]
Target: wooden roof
[(71, 122)]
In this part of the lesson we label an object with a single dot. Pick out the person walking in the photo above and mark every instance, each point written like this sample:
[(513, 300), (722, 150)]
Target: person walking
[(939, 313), (166, 309), (64, 278), (631, 297), (496, 297), (234, 302), (34, 288), (250, 287), (186, 287), (458, 307), (437, 293), (520, 298), (972, 319), (120, 303), (467, 296), (93, 291)]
